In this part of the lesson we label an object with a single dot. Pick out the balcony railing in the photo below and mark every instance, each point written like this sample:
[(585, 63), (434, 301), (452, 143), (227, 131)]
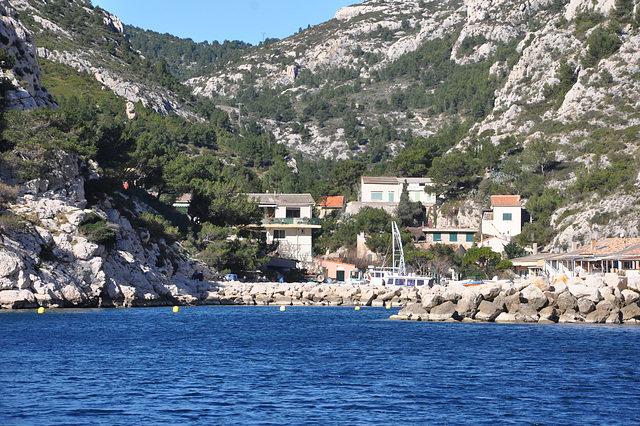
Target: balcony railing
[(291, 221)]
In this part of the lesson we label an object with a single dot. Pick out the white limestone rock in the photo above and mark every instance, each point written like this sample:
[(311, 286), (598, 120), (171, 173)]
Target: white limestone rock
[(10, 263), (534, 297), (487, 311), (582, 291)]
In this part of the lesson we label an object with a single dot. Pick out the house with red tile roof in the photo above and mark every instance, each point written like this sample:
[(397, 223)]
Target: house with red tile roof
[(330, 204), (504, 219)]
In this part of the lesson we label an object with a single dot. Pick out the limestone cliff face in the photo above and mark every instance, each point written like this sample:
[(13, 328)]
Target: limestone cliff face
[(548, 36), (70, 49), (25, 76), (45, 261)]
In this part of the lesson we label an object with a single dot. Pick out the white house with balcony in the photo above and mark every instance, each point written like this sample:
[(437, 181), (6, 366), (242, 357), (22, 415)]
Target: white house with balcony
[(288, 220), (384, 192), (504, 220)]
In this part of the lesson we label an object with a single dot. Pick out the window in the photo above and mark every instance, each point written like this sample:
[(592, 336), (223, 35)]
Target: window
[(414, 196), (377, 195), (453, 238), (391, 197), (469, 237), (293, 213), (507, 216), (278, 234), (437, 237)]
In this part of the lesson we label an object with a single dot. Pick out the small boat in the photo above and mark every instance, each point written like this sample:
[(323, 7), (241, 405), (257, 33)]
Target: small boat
[(397, 275)]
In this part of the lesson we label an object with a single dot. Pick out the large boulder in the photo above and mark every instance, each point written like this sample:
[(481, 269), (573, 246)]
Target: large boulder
[(9, 263), (630, 296), (367, 297), (487, 311), (548, 314), (525, 313), (468, 305), (615, 317), (489, 291), (17, 299), (570, 316), (512, 302), (615, 281), (594, 281), (583, 291), (633, 283), (505, 317), (431, 300), (597, 317), (586, 306), (414, 312), (566, 301), (444, 312), (389, 295), (534, 297), (631, 312)]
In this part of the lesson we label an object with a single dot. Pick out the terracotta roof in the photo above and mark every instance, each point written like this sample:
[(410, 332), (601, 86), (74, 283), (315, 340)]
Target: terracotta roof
[(505, 201), (184, 198), (336, 202), (608, 246)]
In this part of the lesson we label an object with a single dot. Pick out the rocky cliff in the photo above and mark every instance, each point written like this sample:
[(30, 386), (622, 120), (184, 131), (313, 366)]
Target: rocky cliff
[(46, 261), (86, 52), (24, 76)]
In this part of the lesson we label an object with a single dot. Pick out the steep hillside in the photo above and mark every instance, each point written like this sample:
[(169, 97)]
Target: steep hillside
[(19, 68), (548, 91), (93, 41), (538, 98)]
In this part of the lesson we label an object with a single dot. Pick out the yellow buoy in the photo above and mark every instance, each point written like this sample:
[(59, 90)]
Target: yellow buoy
[(357, 308), (41, 310), (389, 306), (176, 309), (282, 309)]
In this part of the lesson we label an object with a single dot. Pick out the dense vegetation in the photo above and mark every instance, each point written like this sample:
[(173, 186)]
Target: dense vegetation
[(184, 57), (220, 155)]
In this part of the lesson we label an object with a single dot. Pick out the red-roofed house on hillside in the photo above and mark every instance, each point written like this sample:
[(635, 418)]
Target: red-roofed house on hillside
[(330, 204), (505, 218)]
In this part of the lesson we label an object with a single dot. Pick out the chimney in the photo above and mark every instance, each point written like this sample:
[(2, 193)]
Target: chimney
[(593, 243), (535, 248), (574, 245)]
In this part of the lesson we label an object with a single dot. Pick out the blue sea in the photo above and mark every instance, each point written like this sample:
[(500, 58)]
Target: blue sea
[(309, 365)]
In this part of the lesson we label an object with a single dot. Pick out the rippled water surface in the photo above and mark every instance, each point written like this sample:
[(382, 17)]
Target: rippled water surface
[(318, 365)]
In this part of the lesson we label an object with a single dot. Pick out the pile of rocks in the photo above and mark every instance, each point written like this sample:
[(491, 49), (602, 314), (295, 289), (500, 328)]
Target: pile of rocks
[(607, 299), (301, 294)]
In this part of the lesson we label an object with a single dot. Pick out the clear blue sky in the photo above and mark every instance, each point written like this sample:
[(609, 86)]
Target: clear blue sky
[(221, 20)]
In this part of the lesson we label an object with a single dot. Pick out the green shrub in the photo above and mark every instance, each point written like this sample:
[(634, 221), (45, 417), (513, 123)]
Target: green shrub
[(95, 229), (10, 222), (602, 42), (158, 227)]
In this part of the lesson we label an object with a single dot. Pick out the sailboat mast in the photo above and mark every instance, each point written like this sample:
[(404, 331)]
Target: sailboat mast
[(399, 267)]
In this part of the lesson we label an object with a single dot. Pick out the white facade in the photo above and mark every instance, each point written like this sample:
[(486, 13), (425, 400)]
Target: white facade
[(505, 220), (496, 244), (389, 189), (288, 220)]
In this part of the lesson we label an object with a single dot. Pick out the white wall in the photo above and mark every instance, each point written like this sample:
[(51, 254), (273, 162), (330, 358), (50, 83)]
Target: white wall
[(297, 243)]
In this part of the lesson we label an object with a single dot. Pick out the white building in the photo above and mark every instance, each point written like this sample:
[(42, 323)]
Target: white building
[(505, 218), (288, 220), (384, 192)]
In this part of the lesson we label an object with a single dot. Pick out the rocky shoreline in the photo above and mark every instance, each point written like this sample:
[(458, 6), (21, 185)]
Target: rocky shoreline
[(609, 299)]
